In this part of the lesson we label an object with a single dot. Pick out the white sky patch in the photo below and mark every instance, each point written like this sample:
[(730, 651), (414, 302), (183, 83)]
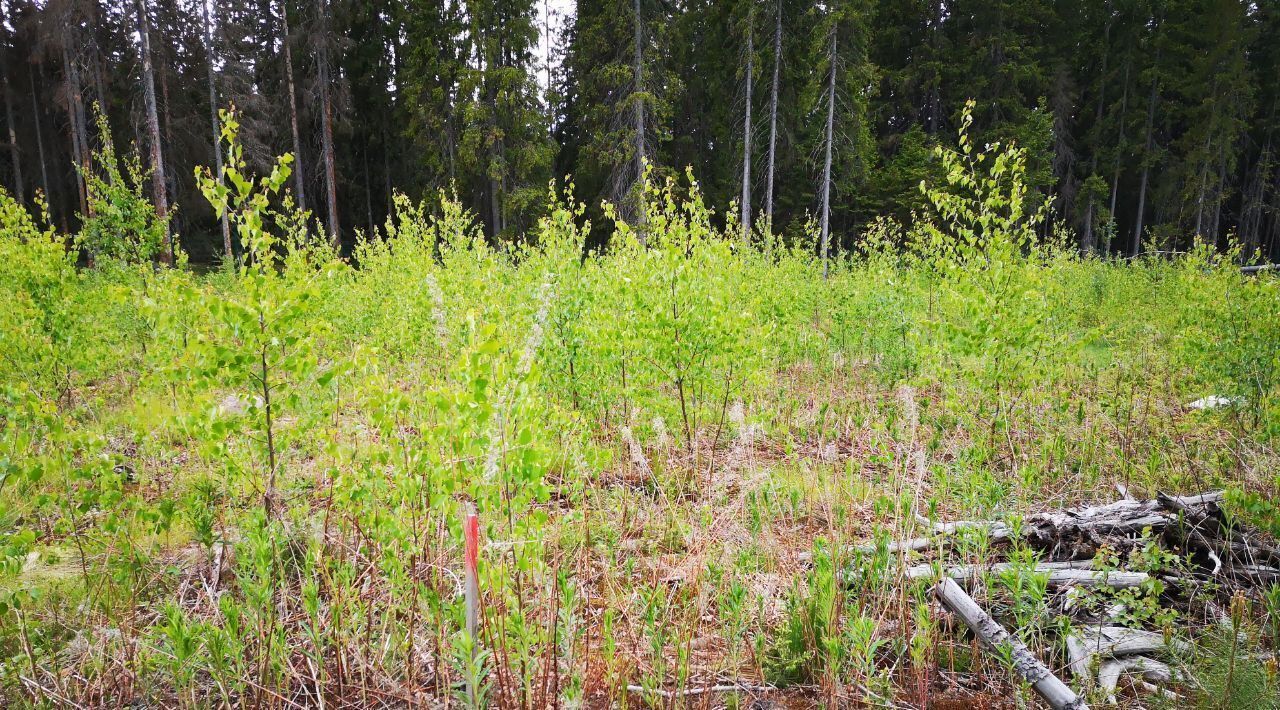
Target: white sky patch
[(560, 11)]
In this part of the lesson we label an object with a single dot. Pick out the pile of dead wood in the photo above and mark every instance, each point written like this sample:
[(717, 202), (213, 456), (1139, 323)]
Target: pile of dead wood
[(1217, 558)]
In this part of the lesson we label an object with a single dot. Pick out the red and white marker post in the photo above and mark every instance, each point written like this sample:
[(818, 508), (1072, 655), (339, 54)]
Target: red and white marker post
[(471, 532)]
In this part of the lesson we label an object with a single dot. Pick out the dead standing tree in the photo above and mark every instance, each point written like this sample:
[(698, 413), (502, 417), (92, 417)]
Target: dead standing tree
[(826, 162), (158, 184), (215, 124), (746, 133), (773, 114), (326, 123)]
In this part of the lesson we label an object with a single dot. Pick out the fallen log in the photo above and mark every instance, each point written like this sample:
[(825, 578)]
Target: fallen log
[(994, 531), (1204, 544), (1060, 574), (1077, 533), (1057, 694), (914, 544), (1105, 642), (965, 572), (1110, 672), (1182, 503)]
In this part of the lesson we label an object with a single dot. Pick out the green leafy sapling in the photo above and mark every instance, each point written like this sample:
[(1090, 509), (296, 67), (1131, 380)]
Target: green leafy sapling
[(122, 223), (262, 341)]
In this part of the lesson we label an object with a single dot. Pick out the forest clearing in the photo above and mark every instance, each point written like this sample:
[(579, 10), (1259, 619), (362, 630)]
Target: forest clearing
[(705, 470), (639, 353)]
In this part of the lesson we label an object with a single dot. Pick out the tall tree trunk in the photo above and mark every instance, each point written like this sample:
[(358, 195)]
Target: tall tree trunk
[(158, 185), (1253, 207), (826, 162), (1272, 234), (75, 120), (1115, 175), (389, 194), (1218, 196), (746, 140), (94, 52), (546, 60), (299, 175), (326, 116), (638, 109), (1251, 214), (368, 191), (1146, 168), (35, 119), (486, 65), (18, 191), (495, 210), (773, 115), (935, 82), (171, 186), (1088, 243), (1204, 185), (215, 125)]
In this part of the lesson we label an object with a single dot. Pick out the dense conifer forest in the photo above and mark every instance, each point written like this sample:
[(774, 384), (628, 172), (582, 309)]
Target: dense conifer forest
[(645, 353), (1146, 120)]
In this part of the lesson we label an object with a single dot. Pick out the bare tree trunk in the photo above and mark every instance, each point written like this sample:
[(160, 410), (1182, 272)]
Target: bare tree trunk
[(1218, 196), (35, 118), (368, 190), (1146, 169), (1251, 217), (1204, 184), (1115, 176), (773, 114), (93, 50), (638, 108), (216, 125), (75, 122), (484, 64), (326, 115), (451, 106), (495, 211), (1088, 243), (1269, 220), (386, 172), (638, 72), (171, 185), (449, 144), (746, 140), (934, 105), (18, 192), (826, 163), (158, 185), (546, 59), (299, 176)]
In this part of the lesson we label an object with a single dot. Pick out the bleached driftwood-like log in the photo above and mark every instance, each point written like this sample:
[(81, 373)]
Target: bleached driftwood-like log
[(994, 636), (965, 572), (939, 533), (1123, 517), (1060, 574), (1106, 642), (1110, 672), (1183, 502), (914, 544)]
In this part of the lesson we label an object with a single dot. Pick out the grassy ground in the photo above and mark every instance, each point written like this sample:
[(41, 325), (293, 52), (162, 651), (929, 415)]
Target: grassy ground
[(248, 487)]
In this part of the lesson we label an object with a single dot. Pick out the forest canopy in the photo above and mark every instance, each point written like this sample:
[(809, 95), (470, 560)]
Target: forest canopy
[(1145, 120)]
